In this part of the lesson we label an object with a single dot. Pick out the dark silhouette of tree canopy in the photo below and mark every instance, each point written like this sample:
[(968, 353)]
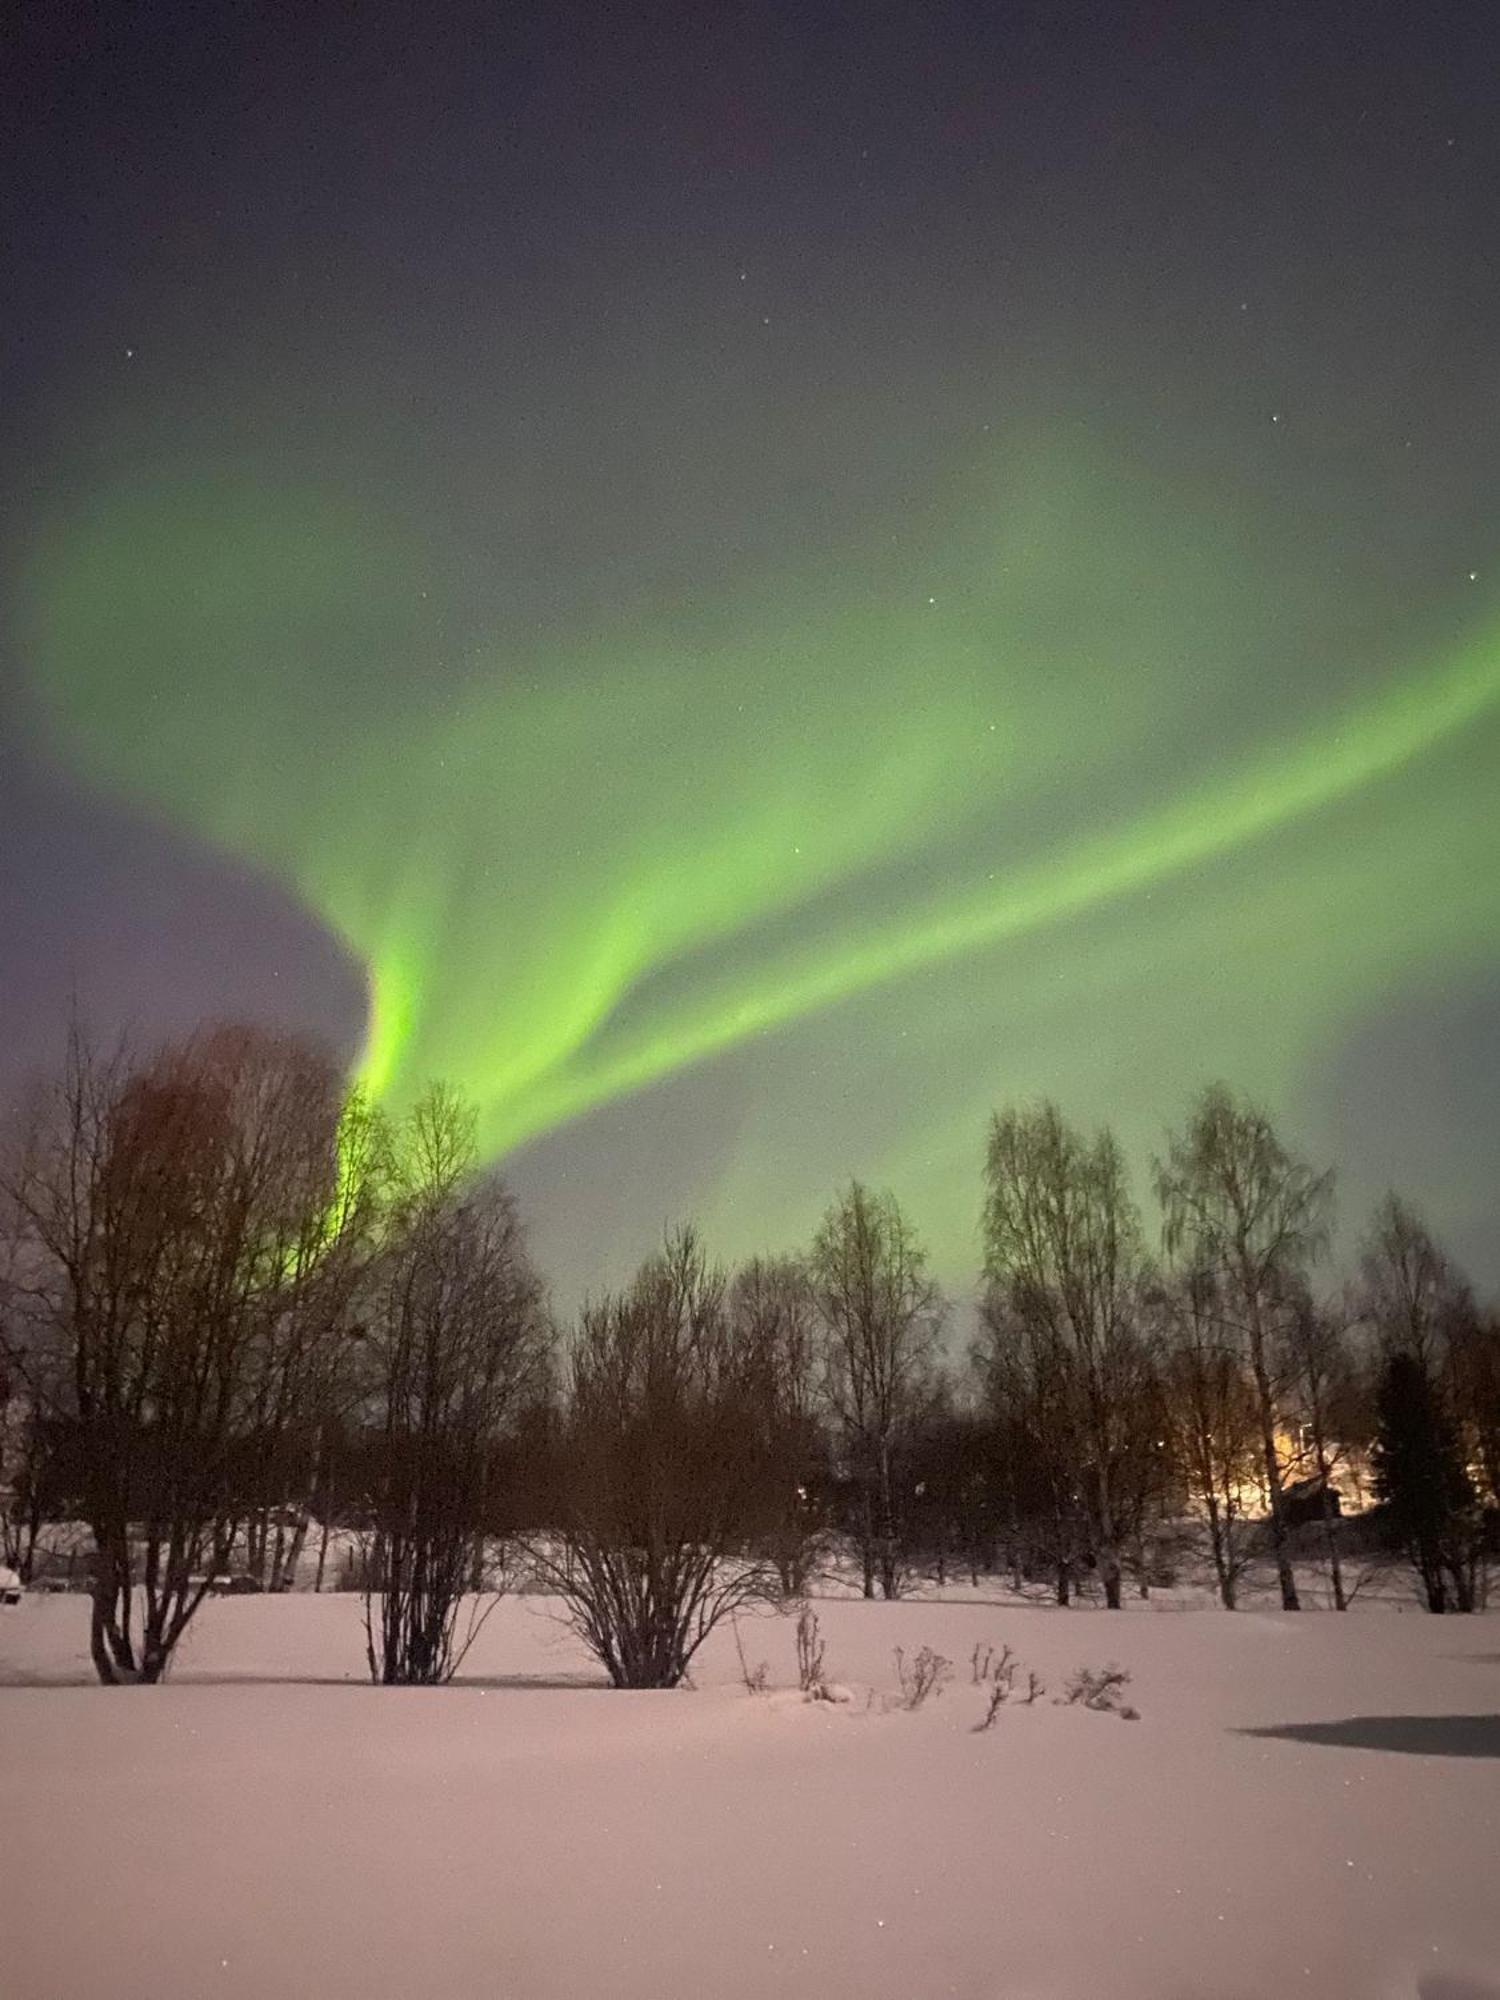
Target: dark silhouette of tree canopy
[(1420, 1477)]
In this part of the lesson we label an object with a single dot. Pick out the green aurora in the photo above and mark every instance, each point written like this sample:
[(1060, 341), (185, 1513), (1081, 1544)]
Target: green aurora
[(1001, 813)]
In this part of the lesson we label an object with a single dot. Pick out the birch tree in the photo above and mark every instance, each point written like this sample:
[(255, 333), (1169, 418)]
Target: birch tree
[(1063, 1252), (1243, 1210), (1211, 1420), (881, 1314)]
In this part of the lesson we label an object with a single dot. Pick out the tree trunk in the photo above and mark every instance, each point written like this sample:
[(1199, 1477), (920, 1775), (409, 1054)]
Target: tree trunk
[(1108, 1553), (1463, 1586), (1266, 1406), (867, 1543), (889, 1562), (1336, 1569), (257, 1533), (101, 1649), (1218, 1543), (287, 1578), (1109, 1571), (110, 1644)]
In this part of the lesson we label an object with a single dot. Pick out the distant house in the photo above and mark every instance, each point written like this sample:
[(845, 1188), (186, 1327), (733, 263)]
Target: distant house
[(1317, 1499), (1314, 1499)]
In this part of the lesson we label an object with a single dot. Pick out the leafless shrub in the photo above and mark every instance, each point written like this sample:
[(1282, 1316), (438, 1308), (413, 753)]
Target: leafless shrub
[(659, 1472), (986, 1664), (999, 1694), (999, 1673), (926, 1674), (187, 1234), (757, 1678), (810, 1677), (1099, 1688)]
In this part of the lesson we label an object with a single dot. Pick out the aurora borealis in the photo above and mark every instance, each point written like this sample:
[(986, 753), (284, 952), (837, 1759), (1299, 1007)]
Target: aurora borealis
[(753, 637)]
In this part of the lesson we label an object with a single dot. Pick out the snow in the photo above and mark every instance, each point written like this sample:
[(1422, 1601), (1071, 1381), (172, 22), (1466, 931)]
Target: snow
[(269, 1827)]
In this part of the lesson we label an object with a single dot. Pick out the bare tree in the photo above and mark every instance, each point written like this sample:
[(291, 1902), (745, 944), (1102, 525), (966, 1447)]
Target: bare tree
[(881, 1316), (1409, 1293), (1063, 1253), (1210, 1412), (662, 1471), (1240, 1208), (30, 1466), (1326, 1392), (177, 1220), (454, 1354), (771, 1304), (1027, 1391)]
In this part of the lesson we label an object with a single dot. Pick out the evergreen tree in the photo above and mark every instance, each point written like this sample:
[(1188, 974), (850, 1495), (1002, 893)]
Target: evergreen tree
[(1421, 1479)]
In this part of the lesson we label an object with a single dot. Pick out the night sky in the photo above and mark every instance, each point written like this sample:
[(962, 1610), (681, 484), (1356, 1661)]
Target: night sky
[(747, 583)]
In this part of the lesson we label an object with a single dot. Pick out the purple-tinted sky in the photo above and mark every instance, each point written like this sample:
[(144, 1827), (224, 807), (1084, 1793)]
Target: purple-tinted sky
[(719, 337)]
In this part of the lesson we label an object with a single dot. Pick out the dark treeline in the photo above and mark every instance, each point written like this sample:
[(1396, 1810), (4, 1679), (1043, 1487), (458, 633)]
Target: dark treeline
[(246, 1315)]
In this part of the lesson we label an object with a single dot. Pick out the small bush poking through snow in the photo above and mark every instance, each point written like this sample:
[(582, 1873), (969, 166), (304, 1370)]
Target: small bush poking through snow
[(810, 1676), (757, 1678), (927, 1674), (998, 1672), (986, 1664), (1100, 1689)]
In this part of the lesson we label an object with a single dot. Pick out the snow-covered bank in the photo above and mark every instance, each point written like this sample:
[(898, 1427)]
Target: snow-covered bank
[(260, 1830)]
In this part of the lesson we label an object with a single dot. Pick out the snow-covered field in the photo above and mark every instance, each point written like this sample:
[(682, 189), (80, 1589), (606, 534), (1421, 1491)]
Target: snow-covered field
[(1306, 1805)]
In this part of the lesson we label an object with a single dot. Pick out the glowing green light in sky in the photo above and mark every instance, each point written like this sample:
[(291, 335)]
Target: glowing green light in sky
[(572, 872)]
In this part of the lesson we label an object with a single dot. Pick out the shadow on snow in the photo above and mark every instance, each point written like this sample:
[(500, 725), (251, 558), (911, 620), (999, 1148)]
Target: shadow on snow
[(1406, 1735)]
